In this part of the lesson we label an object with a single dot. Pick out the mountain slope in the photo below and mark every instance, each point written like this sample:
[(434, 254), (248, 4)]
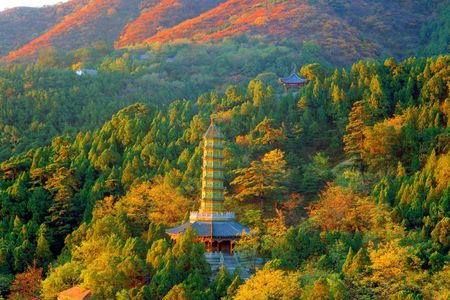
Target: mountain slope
[(162, 14), (291, 19), (20, 25), (99, 19), (346, 30)]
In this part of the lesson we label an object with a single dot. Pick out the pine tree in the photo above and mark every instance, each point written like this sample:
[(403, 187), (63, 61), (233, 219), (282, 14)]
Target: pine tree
[(263, 180), (359, 262), (233, 287), (221, 282), (320, 290), (42, 254), (400, 169), (354, 139), (348, 262)]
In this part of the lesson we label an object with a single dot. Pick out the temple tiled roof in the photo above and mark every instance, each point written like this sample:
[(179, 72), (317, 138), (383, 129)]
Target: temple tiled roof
[(219, 229), (75, 293), (293, 78)]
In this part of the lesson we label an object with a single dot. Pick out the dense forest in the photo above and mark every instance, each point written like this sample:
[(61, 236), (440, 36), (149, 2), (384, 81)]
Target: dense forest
[(344, 184), (358, 205), (46, 99)]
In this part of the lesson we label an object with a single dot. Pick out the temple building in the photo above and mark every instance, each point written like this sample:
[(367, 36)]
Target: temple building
[(75, 293), (293, 81), (215, 227)]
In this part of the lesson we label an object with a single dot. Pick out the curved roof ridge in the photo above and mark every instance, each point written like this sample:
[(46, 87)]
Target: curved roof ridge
[(293, 78), (229, 228)]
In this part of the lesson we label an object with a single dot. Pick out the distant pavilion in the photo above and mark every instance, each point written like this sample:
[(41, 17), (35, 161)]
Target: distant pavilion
[(293, 81), (215, 227)]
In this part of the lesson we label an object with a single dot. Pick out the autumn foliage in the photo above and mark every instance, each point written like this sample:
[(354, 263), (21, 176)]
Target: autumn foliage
[(345, 30), (341, 209), (27, 285), (364, 150)]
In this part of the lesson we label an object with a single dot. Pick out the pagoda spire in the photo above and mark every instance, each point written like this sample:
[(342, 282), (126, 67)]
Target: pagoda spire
[(212, 171)]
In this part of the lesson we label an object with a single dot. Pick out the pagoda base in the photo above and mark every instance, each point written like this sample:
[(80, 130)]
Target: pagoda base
[(217, 230), (218, 245)]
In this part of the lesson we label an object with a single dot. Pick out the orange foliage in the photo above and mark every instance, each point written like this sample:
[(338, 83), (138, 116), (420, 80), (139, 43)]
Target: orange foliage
[(75, 28), (236, 17), (341, 209), (290, 18), (165, 13), (242, 140), (27, 285), (130, 22)]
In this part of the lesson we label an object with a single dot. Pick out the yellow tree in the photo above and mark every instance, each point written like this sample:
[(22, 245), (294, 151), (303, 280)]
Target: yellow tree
[(270, 284), (394, 269), (437, 286), (379, 146), (354, 139), (265, 133), (61, 278), (158, 202)]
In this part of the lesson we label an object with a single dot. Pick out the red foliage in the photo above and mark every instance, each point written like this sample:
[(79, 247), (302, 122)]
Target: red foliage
[(162, 14), (343, 36), (27, 285), (90, 23), (285, 19)]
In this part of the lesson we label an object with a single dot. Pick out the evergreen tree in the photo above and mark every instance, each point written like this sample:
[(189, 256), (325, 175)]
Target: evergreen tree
[(233, 287), (354, 140), (221, 282), (263, 180), (43, 254), (348, 262)]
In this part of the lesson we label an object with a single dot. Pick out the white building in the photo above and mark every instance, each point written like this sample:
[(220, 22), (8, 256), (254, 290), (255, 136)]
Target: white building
[(86, 72)]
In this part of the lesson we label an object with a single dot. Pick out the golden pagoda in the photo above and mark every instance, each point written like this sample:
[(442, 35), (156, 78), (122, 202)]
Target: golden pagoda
[(214, 225)]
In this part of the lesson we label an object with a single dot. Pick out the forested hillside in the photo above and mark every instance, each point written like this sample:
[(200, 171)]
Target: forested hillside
[(345, 30), (344, 183), (47, 98), (359, 207), (21, 25)]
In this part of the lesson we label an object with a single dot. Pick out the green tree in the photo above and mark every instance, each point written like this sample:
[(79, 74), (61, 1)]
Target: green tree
[(316, 174), (61, 278), (221, 282), (348, 262), (43, 254), (264, 180)]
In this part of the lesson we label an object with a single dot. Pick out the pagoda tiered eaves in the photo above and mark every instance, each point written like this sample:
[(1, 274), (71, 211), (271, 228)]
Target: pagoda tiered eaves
[(213, 224)]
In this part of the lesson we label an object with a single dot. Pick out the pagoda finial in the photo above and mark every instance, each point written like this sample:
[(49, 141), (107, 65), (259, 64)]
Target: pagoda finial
[(212, 120)]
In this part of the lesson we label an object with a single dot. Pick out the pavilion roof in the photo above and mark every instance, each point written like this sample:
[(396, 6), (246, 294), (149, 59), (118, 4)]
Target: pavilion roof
[(219, 228), (293, 78)]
